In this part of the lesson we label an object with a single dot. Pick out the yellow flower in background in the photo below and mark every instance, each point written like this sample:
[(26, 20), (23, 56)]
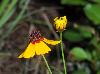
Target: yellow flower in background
[(60, 23), (37, 46)]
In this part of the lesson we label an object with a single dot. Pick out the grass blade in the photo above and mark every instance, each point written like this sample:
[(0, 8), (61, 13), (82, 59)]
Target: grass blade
[(5, 17), (3, 6)]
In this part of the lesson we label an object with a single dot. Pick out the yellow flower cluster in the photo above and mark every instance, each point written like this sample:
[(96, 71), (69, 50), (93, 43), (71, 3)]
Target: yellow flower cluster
[(60, 23)]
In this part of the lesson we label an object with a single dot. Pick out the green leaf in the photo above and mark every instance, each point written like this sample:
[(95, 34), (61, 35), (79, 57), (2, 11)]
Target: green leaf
[(73, 2), (72, 36), (94, 55), (89, 56), (3, 6), (86, 31), (79, 54), (80, 72), (95, 42), (98, 72), (97, 1), (92, 11)]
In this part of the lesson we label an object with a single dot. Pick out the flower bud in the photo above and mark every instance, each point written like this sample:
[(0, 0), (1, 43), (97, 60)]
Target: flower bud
[(60, 23)]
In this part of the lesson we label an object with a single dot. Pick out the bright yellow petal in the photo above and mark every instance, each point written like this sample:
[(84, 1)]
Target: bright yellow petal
[(60, 23), (52, 42), (41, 48), (29, 52)]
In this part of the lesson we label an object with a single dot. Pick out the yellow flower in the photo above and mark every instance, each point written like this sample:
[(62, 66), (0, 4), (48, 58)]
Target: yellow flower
[(37, 46), (60, 23)]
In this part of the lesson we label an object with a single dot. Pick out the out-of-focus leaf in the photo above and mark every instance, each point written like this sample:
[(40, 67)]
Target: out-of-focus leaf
[(97, 1), (72, 36), (3, 5), (89, 55), (86, 31), (95, 42), (92, 11), (79, 54), (94, 54), (86, 34), (80, 72), (98, 72), (74, 2)]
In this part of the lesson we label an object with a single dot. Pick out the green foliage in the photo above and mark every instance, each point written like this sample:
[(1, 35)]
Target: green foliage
[(79, 54), (7, 14), (73, 2), (18, 18), (94, 55), (72, 36), (3, 5), (95, 42), (92, 11), (80, 72), (98, 72), (82, 33), (11, 7), (86, 31), (97, 1)]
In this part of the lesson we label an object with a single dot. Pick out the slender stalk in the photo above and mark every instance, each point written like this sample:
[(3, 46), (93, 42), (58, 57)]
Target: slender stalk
[(47, 64), (26, 67), (62, 49)]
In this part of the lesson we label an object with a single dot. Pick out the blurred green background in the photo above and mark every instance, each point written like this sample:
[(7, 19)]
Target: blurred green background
[(18, 18)]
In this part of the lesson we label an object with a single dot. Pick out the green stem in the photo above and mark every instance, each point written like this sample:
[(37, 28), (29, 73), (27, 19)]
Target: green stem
[(62, 49), (47, 64)]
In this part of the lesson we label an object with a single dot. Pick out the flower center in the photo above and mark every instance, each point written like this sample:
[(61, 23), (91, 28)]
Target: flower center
[(36, 37)]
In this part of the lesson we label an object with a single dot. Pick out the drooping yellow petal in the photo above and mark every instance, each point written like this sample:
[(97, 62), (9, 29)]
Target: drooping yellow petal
[(52, 42), (41, 48), (29, 52)]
